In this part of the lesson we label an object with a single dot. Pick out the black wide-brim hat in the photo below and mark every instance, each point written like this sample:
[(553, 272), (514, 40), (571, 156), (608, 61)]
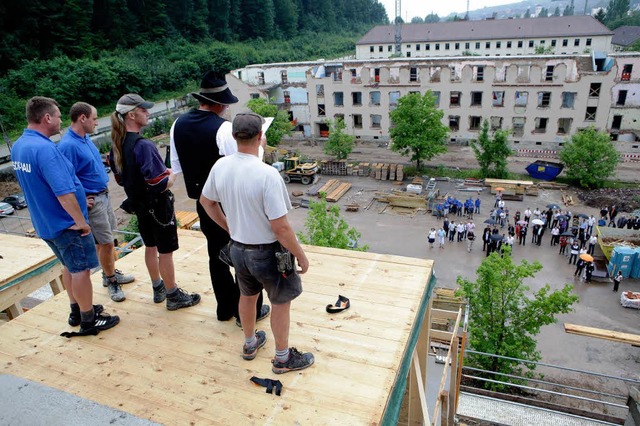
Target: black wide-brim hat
[(214, 88)]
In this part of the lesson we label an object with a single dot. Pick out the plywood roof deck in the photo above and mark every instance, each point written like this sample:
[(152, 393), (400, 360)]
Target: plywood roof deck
[(185, 367)]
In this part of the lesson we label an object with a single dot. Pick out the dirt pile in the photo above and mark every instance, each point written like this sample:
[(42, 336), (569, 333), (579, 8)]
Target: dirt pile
[(627, 200)]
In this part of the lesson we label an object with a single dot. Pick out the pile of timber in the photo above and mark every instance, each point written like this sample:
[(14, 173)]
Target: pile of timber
[(402, 199), (567, 200), (342, 168), (386, 171), (362, 169), (551, 185), (446, 299), (186, 219), (334, 189), (512, 189)]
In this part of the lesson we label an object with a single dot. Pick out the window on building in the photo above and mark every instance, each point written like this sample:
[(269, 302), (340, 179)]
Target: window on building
[(521, 98), (454, 99), (408, 46), (568, 99), (338, 99), (553, 43), (457, 46), (321, 110), (517, 124), (376, 75), (454, 123), (475, 121), (498, 99), (530, 43), (436, 96), (414, 92), (427, 46), (372, 49), (487, 45), (260, 77), (357, 121), (418, 46), (389, 48), (544, 99), (564, 126), (590, 114), (393, 99), (576, 42), (478, 73), (287, 97), (477, 45), (320, 90), (594, 90), (509, 44), (476, 98), (541, 125), (374, 98), (408, 54), (446, 46), (284, 77), (588, 43), (520, 43), (542, 42), (616, 124), (626, 72), (380, 49), (622, 97), (549, 74), (496, 123), (356, 98), (565, 42), (337, 117), (376, 121), (437, 46), (255, 96), (413, 74), (498, 45), (467, 46)]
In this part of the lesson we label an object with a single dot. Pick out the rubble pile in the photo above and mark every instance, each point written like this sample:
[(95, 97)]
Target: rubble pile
[(627, 200)]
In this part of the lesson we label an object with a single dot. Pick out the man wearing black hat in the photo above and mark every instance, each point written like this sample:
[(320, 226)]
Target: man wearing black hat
[(139, 168), (198, 139), (256, 205)]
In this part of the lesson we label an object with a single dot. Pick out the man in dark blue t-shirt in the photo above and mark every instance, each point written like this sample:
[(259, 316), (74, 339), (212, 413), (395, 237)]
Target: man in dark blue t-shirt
[(58, 209)]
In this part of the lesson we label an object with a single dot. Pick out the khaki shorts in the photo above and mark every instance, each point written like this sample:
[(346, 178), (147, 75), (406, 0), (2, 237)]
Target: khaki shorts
[(102, 220)]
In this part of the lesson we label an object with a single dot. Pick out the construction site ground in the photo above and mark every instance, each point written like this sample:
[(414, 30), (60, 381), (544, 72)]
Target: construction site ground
[(404, 232)]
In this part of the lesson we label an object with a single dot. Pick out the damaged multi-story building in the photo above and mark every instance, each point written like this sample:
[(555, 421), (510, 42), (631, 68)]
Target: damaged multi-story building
[(541, 99)]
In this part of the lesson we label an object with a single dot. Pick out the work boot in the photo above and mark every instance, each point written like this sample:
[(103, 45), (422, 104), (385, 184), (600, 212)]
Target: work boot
[(115, 291), (250, 352), (120, 276), (182, 299), (297, 361)]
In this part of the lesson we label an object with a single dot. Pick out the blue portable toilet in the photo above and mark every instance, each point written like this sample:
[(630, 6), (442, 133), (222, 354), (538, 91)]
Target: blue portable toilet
[(635, 270), (622, 259)]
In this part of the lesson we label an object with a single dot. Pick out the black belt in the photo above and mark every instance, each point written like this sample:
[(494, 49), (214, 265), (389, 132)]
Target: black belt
[(256, 246), (105, 191)]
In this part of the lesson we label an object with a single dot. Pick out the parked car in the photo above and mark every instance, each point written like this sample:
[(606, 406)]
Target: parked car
[(16, 200), (5, 209)]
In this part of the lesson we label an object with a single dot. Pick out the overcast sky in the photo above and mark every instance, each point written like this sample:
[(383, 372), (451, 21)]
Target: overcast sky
[(422, 8)]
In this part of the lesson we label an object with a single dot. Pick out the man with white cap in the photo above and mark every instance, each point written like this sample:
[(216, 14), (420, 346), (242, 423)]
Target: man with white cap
[(199, 139), (256, 204), (139, 168)]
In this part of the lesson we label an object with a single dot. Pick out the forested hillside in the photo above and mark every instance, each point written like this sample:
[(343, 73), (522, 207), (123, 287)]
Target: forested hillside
[(96, 50)]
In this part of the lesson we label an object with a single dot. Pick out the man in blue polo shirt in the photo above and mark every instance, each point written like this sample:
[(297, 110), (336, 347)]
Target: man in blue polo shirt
[(58, 209), (83, 154)]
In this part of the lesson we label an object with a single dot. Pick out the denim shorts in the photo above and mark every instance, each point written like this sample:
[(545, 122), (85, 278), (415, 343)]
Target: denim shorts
[(256, 268), (74, 251), (102, 220)]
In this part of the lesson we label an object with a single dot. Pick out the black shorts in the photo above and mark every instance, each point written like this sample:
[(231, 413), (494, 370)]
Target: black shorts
[(157, 223)]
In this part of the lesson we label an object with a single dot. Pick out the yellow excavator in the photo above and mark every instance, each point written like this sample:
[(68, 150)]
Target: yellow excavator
[(305, 173)]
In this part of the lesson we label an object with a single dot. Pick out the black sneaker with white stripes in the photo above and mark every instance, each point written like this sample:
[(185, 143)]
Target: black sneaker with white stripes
[(74, 317), (100, 323)]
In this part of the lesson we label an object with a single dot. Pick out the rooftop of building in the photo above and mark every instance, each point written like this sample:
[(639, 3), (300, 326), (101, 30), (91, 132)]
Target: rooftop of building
[(626, 35)]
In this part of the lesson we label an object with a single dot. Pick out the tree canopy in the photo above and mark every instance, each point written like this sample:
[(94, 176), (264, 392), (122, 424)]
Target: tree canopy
[(326, 228), (339, 143), (504, 320), (589, 158), (417, 128), (492, 152), (280, 126)]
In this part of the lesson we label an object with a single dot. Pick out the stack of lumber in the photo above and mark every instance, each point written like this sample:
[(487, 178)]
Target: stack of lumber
[(509, 187), (446, 299), (567, 199), (333, 167), (386, 171), (334, 189), (402, 199), (362, 169), (186, 219), (552, 185)]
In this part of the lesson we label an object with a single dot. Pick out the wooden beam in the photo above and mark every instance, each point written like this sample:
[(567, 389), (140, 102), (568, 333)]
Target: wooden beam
[(600, 333), (443, 313)]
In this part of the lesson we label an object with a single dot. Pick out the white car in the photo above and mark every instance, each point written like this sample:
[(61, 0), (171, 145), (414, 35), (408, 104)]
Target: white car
[(6, 209)]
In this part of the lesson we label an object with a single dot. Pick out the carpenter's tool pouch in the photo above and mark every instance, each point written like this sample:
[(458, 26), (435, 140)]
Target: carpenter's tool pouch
[(269, 384), (91, 332)]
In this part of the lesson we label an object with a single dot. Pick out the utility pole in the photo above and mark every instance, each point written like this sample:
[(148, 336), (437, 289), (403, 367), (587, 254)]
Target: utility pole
[(398, 28)]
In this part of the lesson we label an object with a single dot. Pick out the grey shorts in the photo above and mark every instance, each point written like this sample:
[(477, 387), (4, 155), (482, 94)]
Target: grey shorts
[(256, 268), (102, 220)]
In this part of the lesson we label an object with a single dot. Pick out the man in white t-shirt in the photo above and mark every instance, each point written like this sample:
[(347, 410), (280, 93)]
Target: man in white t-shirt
[(256, 204)]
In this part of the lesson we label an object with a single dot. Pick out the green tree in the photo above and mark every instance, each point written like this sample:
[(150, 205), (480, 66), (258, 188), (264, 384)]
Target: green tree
[(544, 12), (527, 14), (616, 10), (601, 15), (280, 127), (326, 228), (589, 157), (432, 18), (492, 152), (417, 127), (339, 143), (568, 11), (504, 320), (556, 12), (417, 20), (542, 50)]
